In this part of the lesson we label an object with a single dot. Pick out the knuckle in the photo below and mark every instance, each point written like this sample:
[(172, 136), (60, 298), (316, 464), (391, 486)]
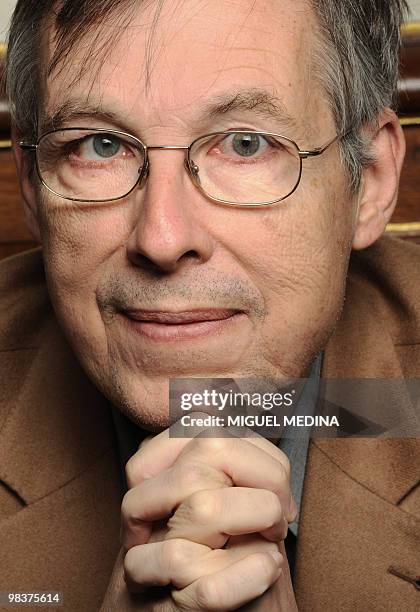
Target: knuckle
[(174, 555), (126, 507), (190, 474), (208, 594), (134, 468), (210, 446), (133, 471), (184, 600), (128, 516), (204, 506)]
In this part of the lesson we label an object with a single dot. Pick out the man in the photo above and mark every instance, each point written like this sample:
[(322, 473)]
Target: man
[(228, 257)]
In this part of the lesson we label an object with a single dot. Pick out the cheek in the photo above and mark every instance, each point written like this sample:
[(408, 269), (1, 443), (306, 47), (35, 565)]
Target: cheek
[(297, 255), (298, 245), (80, 243)]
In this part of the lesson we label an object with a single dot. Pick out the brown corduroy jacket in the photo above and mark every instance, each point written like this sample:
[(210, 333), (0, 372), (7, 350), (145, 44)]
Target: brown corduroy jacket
[(60, 485)]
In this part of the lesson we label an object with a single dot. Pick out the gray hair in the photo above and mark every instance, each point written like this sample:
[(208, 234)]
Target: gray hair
[(356, 60)]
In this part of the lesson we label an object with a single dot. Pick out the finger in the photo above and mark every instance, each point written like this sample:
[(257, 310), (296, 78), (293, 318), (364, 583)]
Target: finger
[(245, 461), (161, 563), (258, 440), (157, 498), (180, 562), (161, 451), (157, 453), (232, 587), (273, 450), (210, 517), (280, 456), (246, 464)]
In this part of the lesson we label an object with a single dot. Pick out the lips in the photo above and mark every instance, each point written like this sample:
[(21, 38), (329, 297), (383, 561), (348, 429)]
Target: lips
[(180, 318), (183, 325)]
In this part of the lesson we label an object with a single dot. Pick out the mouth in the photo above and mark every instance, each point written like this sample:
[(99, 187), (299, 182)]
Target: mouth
[(182, 325)]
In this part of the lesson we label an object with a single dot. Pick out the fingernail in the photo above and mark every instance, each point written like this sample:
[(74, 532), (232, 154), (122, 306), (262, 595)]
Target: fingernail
[(293, 507), (278, 557)]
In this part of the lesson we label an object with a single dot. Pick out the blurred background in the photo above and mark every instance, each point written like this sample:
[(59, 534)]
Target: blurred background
[(406, 222), (415, 9), (6, 10)]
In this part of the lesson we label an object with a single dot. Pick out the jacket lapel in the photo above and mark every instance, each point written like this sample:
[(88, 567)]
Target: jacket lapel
[(362, 347), (352, 527), (58, 457), (55, 423)]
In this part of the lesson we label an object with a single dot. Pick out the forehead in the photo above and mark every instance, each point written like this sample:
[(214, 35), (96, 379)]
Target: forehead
[(167, 62)]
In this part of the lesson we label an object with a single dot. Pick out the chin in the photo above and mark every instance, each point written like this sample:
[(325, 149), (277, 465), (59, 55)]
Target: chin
[(144, 401)]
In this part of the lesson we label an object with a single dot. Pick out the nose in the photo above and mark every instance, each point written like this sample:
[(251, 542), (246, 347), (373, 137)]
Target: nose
[(169, 230)]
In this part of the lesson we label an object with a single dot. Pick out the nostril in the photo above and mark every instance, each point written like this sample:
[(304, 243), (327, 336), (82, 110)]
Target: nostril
[(190, 255), (147, 265)]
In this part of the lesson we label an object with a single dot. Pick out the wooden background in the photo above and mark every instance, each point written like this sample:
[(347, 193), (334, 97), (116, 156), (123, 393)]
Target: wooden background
[(14, 236)]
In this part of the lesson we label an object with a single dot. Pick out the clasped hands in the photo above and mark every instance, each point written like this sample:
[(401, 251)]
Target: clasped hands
[(204, 520)]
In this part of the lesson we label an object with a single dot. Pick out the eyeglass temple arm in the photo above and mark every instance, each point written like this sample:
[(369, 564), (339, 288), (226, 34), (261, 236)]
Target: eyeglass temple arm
[(28, 147), (321, 150)]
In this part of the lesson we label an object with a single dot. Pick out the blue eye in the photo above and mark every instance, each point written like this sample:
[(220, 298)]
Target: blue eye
[(246, 145), (106, 145)]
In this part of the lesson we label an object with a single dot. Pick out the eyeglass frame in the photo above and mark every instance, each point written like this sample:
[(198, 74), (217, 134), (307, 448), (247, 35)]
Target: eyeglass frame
[(189, 164)]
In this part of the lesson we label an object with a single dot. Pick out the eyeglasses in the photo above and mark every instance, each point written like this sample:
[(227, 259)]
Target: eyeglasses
[(237, 168)]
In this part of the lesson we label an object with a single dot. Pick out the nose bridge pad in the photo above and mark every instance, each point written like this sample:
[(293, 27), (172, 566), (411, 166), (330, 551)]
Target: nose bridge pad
[(144, 173), (193, 170)]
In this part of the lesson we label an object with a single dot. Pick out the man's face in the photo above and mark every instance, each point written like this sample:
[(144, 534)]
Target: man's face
[(124, 275)]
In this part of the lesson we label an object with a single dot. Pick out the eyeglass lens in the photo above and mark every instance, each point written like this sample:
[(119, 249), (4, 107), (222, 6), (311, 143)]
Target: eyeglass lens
[(238, 167)]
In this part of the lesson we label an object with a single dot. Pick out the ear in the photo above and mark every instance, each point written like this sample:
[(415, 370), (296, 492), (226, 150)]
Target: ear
[(379, 194), (27, 187)]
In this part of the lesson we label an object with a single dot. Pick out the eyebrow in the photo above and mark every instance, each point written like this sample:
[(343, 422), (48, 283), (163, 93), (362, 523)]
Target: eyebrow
[(71, 110), (257, 101)]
